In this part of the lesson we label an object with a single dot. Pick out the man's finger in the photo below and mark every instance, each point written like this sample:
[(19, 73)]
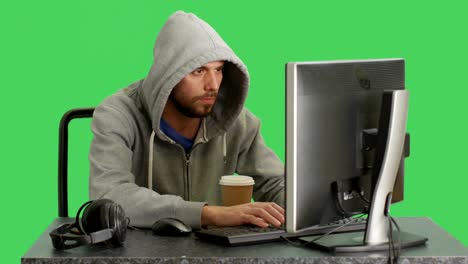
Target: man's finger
[(265, 215), (279, 208), (275, 213), (273, 209), (275, 205), (252, 219)]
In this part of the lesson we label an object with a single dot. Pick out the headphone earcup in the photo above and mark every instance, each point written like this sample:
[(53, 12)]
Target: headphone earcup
[(96, 216), (105, 214), (118, 223)]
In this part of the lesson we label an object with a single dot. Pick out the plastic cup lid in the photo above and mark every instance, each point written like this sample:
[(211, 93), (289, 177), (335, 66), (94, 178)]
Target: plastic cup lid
[(236, 180)]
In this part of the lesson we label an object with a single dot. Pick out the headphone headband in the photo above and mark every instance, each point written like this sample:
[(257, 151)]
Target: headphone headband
[(96, 226), (63, 239)]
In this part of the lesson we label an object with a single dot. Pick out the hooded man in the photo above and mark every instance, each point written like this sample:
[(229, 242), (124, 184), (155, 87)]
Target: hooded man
[(161, 144)]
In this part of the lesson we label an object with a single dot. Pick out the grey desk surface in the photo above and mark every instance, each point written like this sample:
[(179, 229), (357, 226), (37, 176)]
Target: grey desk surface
[(143, 247)]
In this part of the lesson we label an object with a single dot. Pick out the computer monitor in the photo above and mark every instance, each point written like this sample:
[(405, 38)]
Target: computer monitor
[(340, 161)]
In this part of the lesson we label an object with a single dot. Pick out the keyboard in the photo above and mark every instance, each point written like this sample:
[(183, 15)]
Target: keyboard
[(248, 234)]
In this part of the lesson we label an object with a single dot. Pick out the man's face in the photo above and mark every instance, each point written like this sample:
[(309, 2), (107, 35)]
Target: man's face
[(195, 95)]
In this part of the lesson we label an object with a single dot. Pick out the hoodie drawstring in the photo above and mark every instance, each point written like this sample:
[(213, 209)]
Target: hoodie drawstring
[(224, 147), (224, 141), (150, 161)]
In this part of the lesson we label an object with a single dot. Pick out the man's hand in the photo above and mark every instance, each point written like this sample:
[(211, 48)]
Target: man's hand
[(259, 214)]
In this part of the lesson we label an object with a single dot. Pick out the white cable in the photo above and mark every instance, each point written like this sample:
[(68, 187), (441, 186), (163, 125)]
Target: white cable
[(150, 161), (224, 147), (204, 130)]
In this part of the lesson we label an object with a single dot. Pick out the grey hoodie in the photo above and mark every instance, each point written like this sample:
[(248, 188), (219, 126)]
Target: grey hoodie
[(133, 163)]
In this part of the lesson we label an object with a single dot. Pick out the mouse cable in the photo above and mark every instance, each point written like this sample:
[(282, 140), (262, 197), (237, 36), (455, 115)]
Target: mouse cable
[(130, 226)]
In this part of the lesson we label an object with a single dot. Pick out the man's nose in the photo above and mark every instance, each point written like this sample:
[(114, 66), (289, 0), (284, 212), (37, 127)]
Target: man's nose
[(212, 81)]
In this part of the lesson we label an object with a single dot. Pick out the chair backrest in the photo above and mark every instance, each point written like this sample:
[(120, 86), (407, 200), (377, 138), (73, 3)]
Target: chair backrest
[(63, 156)]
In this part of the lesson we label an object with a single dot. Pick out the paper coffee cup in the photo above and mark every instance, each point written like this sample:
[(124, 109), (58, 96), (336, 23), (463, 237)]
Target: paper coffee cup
[(236, 189)]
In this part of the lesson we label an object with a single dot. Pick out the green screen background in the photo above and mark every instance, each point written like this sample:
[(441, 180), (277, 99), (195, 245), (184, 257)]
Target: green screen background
[(58, 55)]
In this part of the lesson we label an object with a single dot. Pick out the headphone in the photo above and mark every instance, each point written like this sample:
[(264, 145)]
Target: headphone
[(102, 221)]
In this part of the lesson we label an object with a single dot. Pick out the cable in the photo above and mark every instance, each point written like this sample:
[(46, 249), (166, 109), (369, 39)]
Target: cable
[(292, 243), (322, 236), (397, 256), (363, 198), (345, 212), (393, 254), (390, 241)]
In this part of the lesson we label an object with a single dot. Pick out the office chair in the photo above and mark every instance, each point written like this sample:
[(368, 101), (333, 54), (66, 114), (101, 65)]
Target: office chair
[(63, 156)]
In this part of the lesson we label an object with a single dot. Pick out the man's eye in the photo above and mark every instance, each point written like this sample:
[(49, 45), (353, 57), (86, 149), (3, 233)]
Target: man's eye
[(198, 71)]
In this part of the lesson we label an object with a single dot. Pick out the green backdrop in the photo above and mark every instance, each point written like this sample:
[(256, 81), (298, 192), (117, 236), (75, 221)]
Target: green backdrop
[(58, 55)]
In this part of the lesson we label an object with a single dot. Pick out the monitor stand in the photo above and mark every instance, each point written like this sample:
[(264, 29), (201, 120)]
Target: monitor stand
[(390, 142), (354, 242)]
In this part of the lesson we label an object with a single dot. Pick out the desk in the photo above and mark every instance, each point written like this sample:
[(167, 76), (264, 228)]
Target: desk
[(144, 247)]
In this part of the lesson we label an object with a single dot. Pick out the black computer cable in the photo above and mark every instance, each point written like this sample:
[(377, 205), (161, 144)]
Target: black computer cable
[(347, 213), (349, 189), (397, 255), (391, 251), (393, 256), (363, 198), (322, 236)]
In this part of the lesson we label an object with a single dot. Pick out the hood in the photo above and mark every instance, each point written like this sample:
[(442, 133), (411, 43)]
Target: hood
[(185, 43)]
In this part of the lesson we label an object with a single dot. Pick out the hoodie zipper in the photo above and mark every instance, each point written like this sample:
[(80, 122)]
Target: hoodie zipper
[(187, 170), (188, 190), (187, 176)]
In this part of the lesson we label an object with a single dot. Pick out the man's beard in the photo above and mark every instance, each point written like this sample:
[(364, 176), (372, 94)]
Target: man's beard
[(188, 111)]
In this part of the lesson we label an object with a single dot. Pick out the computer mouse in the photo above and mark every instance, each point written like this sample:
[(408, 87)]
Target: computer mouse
[(170, 227)]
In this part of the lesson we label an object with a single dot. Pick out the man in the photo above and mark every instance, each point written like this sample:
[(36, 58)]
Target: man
[(161, 145)]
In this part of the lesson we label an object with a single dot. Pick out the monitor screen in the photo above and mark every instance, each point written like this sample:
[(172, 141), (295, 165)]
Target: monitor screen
[(332, 116)]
